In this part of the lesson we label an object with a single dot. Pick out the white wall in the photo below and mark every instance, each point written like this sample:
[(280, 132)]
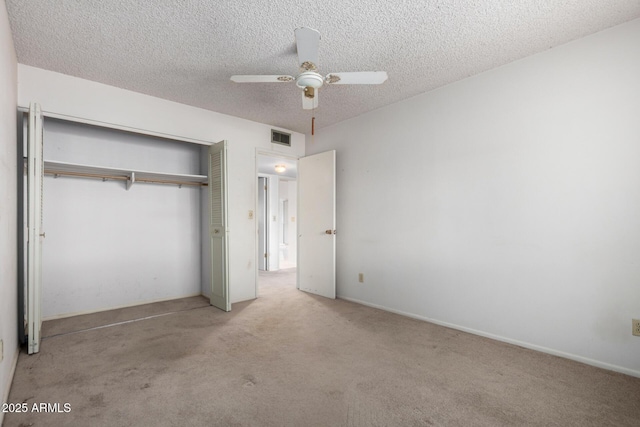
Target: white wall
[(76, 97), (110, 247), (506, 204), (8, 207)]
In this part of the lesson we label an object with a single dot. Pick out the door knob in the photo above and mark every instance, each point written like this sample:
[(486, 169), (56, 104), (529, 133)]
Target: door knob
[(330, 232)]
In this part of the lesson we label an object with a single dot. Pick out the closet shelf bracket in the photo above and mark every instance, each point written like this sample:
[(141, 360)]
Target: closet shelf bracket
[(131, 180)]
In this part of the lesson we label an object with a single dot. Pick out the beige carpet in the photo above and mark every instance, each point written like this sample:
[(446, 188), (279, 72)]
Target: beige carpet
[(294, 359)]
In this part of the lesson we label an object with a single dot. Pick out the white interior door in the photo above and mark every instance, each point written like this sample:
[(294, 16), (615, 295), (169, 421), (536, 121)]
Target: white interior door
[(317, 224), (35, 170), (218, 228)]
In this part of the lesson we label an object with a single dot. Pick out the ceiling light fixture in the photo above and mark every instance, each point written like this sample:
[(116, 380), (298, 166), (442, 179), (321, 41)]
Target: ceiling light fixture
[(280, 168)]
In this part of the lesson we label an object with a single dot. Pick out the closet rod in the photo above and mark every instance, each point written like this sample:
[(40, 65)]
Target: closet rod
[(85, 175), (121, 178), (163, 181)]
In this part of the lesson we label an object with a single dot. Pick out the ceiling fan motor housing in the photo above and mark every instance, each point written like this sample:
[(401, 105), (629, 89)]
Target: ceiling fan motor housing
[(309, 79)]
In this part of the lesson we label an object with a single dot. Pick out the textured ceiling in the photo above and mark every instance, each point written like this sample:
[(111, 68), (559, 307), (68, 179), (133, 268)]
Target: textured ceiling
[(186, 50)]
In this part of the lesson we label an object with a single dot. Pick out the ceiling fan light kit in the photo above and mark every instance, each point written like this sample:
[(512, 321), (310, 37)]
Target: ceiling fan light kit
[(309, 79)]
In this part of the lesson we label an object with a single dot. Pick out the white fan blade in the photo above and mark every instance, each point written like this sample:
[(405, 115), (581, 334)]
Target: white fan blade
[(261, 79), (307, 41), (357, 78), (310, 103)]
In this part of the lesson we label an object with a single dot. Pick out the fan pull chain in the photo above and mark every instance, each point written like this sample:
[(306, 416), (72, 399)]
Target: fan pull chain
[(313, 123)]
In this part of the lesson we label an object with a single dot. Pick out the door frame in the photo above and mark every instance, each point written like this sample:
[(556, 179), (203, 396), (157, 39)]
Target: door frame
[(263, 216), (277, 155)]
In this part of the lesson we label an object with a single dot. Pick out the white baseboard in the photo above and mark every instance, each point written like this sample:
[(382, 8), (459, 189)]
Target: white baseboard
[(12, 371), (530, 346), (80, 313)]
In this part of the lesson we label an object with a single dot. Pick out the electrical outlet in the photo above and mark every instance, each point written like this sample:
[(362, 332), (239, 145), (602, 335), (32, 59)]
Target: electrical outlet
[(635, 327), (361, 277)]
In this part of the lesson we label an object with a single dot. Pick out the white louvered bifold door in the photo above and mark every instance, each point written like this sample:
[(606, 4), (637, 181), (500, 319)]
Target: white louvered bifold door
[(35, 171), (218, 229)]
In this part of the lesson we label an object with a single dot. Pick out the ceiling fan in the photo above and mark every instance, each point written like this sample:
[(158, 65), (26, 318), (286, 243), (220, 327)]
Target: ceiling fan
[(309, 79)]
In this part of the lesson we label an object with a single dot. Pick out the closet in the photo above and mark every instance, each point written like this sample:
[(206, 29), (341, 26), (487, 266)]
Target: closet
[(126, 219)]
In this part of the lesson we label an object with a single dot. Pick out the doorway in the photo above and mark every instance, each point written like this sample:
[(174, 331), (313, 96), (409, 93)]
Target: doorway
[(276, 212)]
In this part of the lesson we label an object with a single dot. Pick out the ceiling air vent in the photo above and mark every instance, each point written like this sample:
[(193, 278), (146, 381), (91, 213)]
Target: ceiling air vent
[(280, 138)]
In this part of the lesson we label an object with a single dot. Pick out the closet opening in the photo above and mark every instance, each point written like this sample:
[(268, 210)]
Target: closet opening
[(125, 216)]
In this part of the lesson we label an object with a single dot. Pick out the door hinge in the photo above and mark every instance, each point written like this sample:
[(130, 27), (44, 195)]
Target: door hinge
[(265, 255)]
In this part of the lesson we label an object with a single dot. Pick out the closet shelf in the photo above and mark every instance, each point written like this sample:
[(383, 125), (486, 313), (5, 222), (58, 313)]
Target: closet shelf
[(130, 176)]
